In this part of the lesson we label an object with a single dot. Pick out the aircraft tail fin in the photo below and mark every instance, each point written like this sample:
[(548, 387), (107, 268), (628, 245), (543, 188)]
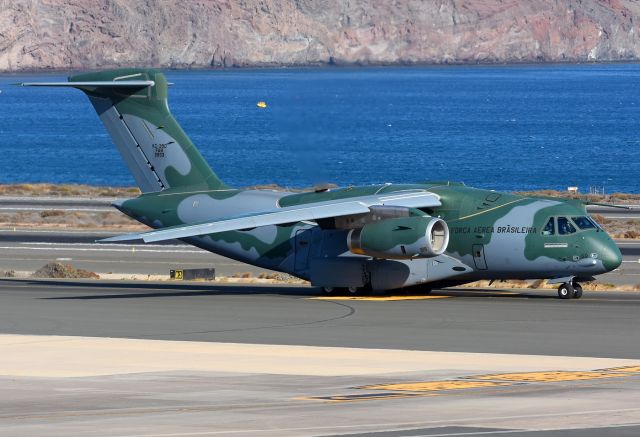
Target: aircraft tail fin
[(132, 104)]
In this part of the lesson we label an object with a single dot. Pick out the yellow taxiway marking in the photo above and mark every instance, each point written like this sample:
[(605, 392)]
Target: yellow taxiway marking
[(378, 298), (461, 385), (548, 376), (434, 385), (626, 369)]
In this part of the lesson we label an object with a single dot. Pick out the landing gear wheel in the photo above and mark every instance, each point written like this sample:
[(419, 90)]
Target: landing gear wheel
[(353, 291), (328, 291), (565, 291), (577, 291), (358, 291)]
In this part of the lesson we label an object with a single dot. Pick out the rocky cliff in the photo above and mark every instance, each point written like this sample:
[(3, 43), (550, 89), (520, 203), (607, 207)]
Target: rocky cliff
[(81, 34)]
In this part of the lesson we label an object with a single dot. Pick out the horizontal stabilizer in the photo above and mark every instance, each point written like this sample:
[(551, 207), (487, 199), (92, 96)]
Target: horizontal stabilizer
[(110, 83), (290, 214)]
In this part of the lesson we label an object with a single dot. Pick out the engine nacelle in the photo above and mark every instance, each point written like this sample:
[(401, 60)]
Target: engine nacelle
[(401, 238)]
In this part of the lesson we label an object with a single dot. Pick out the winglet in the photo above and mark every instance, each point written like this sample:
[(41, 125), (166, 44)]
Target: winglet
[(124, 237)]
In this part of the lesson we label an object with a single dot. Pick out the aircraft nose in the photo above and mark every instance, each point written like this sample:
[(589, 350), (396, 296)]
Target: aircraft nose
[(611, 256)]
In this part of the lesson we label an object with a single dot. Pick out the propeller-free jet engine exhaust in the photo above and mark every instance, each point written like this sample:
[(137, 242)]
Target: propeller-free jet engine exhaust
[(401, 238)]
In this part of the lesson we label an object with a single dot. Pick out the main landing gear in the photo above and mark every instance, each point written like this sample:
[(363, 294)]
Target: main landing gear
[(570, 290), (346, 291)]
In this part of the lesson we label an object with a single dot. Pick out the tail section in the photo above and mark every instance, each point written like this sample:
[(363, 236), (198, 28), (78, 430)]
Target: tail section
[(132, 104)]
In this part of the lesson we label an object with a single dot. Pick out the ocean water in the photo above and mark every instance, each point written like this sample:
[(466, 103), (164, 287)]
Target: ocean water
[(498, 127)]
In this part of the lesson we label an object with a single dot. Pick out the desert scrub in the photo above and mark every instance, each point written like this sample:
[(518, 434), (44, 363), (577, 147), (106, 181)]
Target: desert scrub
[(51, 213), (66, 190), (63, 271)]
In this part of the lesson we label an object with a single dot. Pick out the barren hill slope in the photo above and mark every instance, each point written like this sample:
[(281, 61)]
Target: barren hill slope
[(75, 34)]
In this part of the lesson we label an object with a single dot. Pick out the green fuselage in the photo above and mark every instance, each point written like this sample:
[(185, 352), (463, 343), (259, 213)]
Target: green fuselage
[(496, 235)]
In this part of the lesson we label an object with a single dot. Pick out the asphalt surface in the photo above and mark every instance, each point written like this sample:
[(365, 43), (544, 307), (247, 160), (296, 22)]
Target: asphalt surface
[(451, 431), (189, 403), (13, 204), (622, 213), (27, 251), (601, 324)]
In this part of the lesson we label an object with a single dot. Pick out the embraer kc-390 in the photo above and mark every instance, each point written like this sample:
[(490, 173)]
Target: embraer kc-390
[(353, 240)]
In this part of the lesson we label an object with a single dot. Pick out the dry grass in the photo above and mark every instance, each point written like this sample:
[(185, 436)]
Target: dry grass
[(619, 228), (63, 271), (617, 198), (542, 284), (243, 275), (66, 190), (78, 190), (55, 219)]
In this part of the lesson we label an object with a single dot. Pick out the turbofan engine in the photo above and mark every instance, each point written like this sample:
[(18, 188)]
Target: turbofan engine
[(401, 238)]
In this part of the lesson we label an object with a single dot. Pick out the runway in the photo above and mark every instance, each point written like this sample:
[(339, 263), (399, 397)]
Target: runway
[(601, 324), (23, 250), (159, 359)]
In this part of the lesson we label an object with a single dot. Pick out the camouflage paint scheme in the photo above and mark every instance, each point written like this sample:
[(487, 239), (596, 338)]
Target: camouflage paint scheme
[(492, 235)]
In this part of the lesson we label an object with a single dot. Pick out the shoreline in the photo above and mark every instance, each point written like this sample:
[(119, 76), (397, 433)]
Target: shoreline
[(327, 65)]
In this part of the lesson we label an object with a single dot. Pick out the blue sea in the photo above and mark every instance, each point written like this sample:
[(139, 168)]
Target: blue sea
[(498, 127)]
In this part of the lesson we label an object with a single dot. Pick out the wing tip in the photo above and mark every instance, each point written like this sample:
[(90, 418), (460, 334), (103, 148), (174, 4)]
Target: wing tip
[(120, 238)]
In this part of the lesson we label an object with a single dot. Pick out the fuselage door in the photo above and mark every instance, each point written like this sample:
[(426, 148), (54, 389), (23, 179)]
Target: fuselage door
[(303, 242), (478, 257)]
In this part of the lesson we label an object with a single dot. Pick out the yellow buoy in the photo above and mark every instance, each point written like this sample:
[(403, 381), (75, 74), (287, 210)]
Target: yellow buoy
[(261, 104)]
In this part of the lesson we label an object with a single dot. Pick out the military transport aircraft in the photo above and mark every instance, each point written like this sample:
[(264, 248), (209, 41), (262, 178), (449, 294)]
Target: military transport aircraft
[(351, 240)]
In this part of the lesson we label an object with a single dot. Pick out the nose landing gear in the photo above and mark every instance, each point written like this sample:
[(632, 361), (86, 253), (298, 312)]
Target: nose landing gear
[(570, 290)]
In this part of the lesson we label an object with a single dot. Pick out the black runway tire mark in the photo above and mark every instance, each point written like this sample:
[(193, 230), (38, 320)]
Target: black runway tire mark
[(350, 311)]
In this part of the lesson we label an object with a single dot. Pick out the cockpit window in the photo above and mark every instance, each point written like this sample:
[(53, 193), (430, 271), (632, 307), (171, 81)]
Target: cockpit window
[(583, 222), (550, 228), (565, 227)]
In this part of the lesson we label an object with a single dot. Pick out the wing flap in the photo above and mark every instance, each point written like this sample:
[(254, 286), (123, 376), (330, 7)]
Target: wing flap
[(291, 214)]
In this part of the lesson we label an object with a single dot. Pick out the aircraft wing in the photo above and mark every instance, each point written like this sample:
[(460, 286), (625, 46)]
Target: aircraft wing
[(290, 214)]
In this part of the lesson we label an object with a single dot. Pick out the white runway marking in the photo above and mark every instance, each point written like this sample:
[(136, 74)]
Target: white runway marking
[(101, 249), (57, 232), (87, 209), (48, 244)]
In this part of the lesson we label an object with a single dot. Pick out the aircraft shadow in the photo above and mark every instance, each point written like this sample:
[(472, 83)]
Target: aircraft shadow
[(158, 290), (149, 290)]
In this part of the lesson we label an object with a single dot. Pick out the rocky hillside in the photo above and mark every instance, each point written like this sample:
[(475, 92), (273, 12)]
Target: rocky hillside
[(81, 34)]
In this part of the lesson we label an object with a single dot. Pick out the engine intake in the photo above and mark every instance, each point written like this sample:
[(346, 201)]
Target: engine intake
[(401, 238)]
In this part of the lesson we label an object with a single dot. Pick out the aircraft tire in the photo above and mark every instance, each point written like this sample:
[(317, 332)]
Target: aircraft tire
[(577, 291), (328, 291), (358, 291), (565, 291)]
